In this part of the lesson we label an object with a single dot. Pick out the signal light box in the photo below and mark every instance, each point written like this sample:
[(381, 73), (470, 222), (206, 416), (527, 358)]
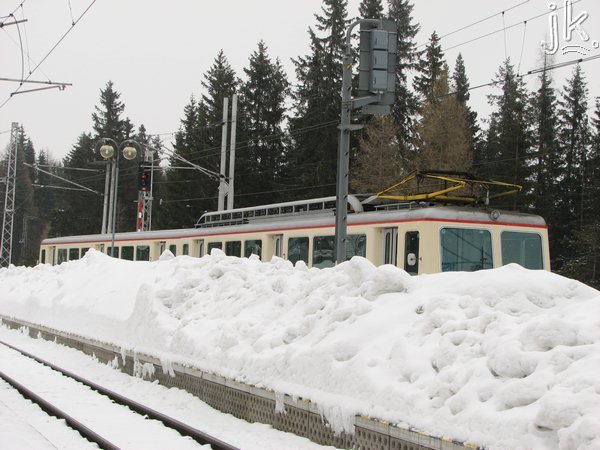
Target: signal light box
[(377, 65)]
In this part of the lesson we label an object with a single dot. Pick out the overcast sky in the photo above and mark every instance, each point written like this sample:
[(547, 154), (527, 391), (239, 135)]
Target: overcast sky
[(156, 52)]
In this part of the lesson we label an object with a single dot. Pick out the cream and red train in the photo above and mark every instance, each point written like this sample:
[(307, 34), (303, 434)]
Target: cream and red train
[(416, 237)]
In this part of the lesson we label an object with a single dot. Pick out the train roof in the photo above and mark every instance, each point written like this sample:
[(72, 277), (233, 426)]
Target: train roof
[(401, 213)]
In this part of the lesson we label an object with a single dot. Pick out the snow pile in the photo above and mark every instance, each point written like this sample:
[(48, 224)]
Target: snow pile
[(506, 358)]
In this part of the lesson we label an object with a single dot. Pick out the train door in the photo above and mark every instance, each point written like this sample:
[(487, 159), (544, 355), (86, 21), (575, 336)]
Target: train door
[(278, 245), (162, 246), (390, 245), (411, 252), (200, 248)]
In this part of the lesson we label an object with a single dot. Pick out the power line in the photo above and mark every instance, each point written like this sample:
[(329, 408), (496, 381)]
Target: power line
[(533, 72), (503, 29), (51, 50), (477, 22)]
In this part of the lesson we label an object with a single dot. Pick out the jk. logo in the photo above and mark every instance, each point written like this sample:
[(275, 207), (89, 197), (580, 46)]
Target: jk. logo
[(570, 24)]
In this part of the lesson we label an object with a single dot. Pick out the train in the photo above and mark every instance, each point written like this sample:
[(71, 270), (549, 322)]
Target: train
[(419, 237)]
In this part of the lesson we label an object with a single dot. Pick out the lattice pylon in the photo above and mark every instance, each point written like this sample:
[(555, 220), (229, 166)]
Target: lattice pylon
[(8, 215)]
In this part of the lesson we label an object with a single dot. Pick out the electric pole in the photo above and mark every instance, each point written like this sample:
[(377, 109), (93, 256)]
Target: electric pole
[(9, 198)]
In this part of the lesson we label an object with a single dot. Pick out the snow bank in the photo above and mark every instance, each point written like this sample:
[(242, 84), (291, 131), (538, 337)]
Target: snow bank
[(506, 358)]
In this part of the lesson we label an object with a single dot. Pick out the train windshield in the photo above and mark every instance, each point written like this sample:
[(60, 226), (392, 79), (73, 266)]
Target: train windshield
[(465, 249), (522, 248)]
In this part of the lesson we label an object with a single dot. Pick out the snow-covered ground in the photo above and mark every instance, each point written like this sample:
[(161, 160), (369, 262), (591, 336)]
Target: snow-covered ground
[(506, 358)]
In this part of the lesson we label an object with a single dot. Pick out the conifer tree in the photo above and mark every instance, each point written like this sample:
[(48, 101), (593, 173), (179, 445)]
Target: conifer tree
[(506, 154), (259, 162), (317, 102), (574, 175), (431, 62), (406, 104), (461, 87), (379, 162), (574, 135), (546, 165), (79, 212), (370, 9), (190, 193), (443, 133), (25, 243)]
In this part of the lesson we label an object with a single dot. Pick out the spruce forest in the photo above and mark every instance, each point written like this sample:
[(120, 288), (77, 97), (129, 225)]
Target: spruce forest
[(546, 139)]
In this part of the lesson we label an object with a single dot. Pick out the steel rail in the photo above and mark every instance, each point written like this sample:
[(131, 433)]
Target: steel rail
[(56, 412), (181, 427)]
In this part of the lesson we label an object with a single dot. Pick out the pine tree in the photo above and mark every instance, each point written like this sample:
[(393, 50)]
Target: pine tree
[(25, 242), (379, 163), (406, 104), (79, 212), (189, 193), (181, 186), (370, 9), (461, 87), (547, 193), (506, 154), (444, 136), (107, 120), (431, 62), (317, 103), (574, 175), (574, 135), (259, 162)]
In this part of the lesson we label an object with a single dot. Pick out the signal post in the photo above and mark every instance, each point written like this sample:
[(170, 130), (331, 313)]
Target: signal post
[(377, 85)]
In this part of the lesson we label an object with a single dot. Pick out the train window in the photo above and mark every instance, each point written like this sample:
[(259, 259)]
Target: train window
[(185, 249), (113, 251), (212, 245), (323, 251), (390, 245), (43, 256), (411, 252), (127, 252), (233, 248), (173, 249), (84, 250), (253, 247), (298, 249), (200, 247), (61, 255), (356, 245), (522, 248), (142, 253), (73, 254), (466, 249)]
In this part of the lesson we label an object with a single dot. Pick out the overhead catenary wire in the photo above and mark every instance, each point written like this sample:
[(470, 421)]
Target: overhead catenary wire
[(477, 22), (51, 50), (503, 29)]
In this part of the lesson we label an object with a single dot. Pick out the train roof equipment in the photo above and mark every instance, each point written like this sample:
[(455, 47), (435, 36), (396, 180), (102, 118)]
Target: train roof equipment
[(445, 187), (283, 210)]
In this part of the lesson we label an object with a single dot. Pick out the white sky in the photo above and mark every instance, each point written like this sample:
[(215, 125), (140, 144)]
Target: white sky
[(504, 358), (157, 54)]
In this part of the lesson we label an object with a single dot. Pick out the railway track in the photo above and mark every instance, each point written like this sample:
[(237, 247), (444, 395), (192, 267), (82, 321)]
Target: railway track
[(100, 438)]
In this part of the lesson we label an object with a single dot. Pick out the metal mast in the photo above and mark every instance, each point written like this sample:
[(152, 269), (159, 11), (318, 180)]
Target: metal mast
[(9, 199), (144, 219)]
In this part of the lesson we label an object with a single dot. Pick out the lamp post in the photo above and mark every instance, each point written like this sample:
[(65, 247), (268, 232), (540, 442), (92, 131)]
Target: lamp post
[(110, 151)]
